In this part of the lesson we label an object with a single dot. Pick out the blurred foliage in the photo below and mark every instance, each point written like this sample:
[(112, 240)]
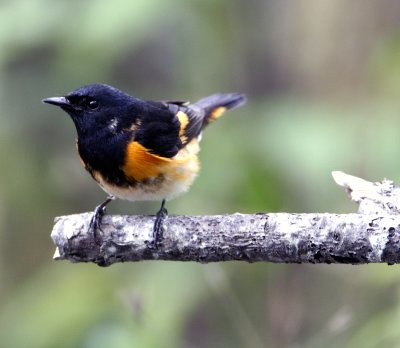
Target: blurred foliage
[(322, 78)]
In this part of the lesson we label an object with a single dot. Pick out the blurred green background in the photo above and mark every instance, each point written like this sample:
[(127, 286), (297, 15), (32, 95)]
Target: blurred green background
[(323, 83)]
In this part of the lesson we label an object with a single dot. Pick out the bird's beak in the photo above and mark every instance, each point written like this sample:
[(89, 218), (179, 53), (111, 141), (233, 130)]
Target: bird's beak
[(59, 101)]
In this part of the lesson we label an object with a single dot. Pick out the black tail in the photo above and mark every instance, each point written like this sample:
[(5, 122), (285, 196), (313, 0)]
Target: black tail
[(215, 105)]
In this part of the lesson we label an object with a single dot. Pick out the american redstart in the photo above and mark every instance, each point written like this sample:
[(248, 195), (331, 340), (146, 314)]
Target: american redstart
[(139, 149)]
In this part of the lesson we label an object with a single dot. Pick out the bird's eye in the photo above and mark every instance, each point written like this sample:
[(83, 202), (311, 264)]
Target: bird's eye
[(93, 104)]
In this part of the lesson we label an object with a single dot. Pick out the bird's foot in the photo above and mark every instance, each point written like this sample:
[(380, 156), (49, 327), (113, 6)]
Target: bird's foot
[(158, 229), (95, 222)]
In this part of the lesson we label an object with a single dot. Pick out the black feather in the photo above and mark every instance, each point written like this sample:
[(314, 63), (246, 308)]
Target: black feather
[(107, 120)]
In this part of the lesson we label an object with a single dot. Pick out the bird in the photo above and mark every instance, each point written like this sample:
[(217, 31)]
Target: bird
[(138, 149)]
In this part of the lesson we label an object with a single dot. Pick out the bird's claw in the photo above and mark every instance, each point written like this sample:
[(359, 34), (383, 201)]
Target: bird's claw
[(95, 224), (95, 221), (158, 229)]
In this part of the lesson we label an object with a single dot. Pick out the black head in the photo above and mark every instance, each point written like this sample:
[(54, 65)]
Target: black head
[(93, 107)]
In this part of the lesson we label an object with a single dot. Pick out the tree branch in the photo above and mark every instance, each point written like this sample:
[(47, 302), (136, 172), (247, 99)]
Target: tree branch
[(373, 235)]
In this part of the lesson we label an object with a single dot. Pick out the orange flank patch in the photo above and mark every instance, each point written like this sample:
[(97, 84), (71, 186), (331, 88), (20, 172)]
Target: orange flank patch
[(184, 121), (217, 112), (158, 177), (140, 164)]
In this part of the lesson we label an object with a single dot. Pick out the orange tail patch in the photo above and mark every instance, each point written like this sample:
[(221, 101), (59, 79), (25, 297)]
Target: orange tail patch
[(216, 113)]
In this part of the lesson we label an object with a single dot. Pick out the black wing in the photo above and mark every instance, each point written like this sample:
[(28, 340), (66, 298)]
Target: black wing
[(158, 129), (165, 127), (194, 117), (190, 118)]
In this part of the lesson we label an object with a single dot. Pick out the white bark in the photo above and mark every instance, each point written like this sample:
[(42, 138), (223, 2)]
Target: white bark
[(372, 235)]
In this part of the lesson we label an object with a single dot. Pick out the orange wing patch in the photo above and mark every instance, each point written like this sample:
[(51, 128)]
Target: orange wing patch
[(184, 121), (140, 164)]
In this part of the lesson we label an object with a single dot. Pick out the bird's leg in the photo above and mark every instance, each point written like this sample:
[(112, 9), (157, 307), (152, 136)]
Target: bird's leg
[(158, 228), (95, 222)]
